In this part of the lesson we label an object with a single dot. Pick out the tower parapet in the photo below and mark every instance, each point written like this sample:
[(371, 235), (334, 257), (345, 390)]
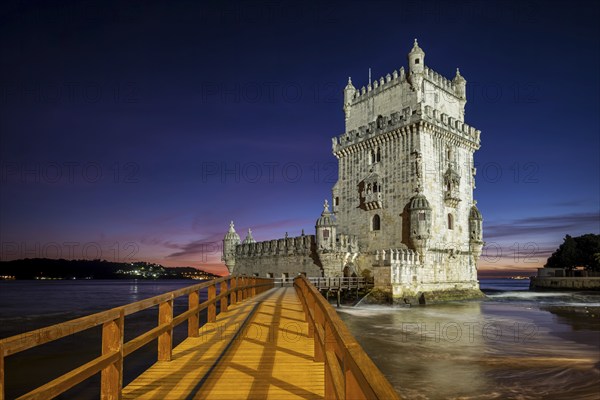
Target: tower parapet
[(401, 123)]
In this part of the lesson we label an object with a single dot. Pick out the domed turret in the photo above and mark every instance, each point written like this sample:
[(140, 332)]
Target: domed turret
[(420, 222), (416, 66), (460, 89), (249, 239), (461, 85), (325, 229), (475, 232), (349, 92), (231, 240)]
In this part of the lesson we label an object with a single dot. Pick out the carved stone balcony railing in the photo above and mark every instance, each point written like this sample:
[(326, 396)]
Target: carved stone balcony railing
[(451, 198), (374, 201)]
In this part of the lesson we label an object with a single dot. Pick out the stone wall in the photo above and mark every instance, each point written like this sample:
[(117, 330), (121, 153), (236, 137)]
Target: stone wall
[(286, 257), (553, 283)]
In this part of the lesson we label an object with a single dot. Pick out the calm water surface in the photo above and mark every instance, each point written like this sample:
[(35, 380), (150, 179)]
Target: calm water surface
[(28, 305), (515, 344)]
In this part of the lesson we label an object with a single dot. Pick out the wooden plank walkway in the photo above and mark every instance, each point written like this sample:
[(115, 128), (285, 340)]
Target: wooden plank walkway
[(258, 349)]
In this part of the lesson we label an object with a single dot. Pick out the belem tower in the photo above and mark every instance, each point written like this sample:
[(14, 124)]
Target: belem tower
[(402, 209)]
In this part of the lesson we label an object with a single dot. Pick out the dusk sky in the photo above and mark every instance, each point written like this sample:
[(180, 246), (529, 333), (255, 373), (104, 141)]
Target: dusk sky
[(137, 130)]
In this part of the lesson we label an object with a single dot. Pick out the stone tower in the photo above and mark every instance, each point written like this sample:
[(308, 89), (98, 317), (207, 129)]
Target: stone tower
[(406, 180), (403, 208)]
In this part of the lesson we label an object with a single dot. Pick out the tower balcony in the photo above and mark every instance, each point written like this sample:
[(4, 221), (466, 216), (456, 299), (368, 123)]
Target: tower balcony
[(374, 201), (451, 198)]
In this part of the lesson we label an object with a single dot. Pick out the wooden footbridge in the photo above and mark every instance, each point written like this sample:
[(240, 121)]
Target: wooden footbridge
[(259, 342)]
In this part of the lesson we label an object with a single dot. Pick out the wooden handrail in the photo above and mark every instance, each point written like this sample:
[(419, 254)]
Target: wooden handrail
[(349, 372), (232, 290)]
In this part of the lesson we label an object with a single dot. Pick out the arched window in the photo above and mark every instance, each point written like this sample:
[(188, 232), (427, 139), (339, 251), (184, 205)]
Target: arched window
[(372, 157), (376, 223), (378, 154), (450, 221)]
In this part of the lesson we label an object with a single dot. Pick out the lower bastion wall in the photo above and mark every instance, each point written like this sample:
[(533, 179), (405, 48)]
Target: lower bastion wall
[(287, 257)]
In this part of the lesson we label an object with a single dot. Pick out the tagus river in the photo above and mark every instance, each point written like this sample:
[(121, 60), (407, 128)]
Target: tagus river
[(515, 344)]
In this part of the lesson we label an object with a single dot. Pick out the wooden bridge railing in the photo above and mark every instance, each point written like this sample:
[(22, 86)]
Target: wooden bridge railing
[(349, 372), (110, 363), (339, 283)]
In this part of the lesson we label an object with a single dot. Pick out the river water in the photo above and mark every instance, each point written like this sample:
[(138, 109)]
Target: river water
[(515, 344)]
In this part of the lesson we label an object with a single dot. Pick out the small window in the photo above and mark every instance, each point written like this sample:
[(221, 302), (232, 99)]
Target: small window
[(378, 154), (325, 233), (450, 221), (376, 223), (337, 201), (416, 60), (421, 216)]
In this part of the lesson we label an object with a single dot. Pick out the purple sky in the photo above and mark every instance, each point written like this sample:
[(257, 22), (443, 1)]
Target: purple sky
[(136, 131)]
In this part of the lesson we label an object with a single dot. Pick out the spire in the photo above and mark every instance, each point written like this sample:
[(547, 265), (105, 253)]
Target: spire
[(231, 227)]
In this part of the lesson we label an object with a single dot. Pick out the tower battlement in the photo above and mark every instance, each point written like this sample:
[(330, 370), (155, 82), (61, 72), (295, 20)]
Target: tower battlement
[(303, 244), (399, 123)]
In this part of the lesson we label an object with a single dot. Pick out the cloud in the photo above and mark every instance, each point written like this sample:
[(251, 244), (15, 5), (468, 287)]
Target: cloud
[(537, 226), (201, 248)]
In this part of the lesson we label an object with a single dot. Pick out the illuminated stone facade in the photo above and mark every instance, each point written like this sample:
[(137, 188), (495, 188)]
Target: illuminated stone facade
[(402, 208)]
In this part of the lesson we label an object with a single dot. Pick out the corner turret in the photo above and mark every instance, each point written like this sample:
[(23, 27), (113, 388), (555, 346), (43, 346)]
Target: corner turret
[(475, 231), (325, 230), (460, 89), (416, 66), (231, 240), (349, 92), (249, 239)]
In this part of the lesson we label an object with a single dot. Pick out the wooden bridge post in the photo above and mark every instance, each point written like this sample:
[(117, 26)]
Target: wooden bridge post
[(233, 288), (223, 298), (193, 320), (241, 282), (352, 387), (212, 308), (111, 377), (165, 340)]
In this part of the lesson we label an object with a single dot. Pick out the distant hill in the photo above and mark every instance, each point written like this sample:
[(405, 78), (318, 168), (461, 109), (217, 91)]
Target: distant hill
[(46, 268)]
